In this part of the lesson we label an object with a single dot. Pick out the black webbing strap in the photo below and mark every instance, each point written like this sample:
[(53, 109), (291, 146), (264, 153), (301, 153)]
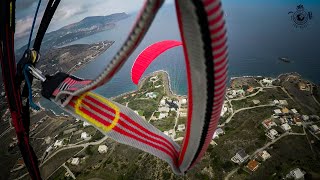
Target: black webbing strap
[(19, 113), (46, 19)]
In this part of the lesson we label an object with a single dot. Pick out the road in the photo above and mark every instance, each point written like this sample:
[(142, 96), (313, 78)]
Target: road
[(314, 98), (243, 109), (69, 171), (70, 146), (251, 95), (6, 131), (229, 175)]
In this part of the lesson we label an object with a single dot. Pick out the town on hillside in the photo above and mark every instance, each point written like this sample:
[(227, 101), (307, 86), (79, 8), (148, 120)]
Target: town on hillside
[(269, 127)]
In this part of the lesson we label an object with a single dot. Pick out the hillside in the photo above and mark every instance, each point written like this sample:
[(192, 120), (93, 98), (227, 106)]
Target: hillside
[(86, 27)]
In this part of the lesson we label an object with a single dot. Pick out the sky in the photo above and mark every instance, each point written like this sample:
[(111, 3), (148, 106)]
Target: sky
[(70, 11)]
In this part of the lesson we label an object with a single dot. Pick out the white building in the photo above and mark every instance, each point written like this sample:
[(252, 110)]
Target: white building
[(240, 157), (181, 127), (85, 136), (75, 161), (163, 115), (151, 95), (296, 174), (172, 133), (272, 134), (47, 140), (276, 102), (58, 143), (217, 133), (166, 133), (183, 101), (305, 117), (264, 155), (267, 81), (294, 111), (85, 124), (224, 110), (286, 127), (256, 102), (283, 102), (49, 149), (162, 102), (102, 149), (277, 111), (314, 128), (164, 109)]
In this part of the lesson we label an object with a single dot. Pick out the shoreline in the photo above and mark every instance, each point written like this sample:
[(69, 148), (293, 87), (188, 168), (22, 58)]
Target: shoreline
[(167, 82), (168, 88)]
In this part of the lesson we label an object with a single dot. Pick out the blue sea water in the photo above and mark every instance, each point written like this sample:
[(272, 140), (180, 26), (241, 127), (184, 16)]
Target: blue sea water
[(258, 34)]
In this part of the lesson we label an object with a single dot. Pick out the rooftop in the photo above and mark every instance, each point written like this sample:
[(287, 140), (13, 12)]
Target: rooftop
[(242, 153), (286, 127), (253, 165), (277, 111)]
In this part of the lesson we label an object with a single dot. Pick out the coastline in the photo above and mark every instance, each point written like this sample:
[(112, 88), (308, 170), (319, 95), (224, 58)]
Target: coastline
[(167, 82), (167, 85)]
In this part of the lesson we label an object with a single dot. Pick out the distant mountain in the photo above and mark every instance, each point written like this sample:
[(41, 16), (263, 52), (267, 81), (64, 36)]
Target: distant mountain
[(86, 27)]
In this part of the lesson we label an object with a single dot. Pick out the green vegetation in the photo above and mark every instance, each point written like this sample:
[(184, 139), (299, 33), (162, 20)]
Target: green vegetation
[(156, 114), (297, 129), (245, 131), (182, 120), (50, 166), (164, 124), (90, 150), (140, 112), (288, 153), (265, 97), (97, 136), (147, 105), (90, 130), (59, 174)]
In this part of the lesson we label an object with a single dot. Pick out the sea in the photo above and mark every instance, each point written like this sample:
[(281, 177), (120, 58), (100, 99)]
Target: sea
[(258, 35)]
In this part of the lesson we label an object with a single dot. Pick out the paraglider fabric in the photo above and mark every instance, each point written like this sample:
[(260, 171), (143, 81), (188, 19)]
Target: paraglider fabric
[(148, 55), (203, 34)]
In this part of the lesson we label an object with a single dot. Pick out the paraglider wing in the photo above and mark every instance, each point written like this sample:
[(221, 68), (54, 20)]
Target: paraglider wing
[(148, 55)]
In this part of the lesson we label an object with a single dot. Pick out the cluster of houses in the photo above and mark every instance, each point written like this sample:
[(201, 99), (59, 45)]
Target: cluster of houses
[(286, 118), (251, 164), (231, 94), (267, 82), (166, 105)]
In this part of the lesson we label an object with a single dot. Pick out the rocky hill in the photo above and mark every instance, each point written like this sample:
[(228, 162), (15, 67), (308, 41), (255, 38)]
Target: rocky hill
[(86, 27)]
